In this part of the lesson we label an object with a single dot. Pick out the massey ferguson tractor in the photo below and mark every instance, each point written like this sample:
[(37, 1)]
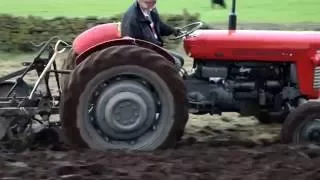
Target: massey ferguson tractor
[(124, 93)]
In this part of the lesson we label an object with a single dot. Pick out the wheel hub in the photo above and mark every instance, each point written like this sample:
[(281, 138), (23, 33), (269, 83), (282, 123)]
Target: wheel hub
[(315, 135), (124, 110), (311, 131)]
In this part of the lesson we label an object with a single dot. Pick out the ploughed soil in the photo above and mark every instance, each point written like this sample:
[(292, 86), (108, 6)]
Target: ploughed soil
[(226, 147), (197, 161)]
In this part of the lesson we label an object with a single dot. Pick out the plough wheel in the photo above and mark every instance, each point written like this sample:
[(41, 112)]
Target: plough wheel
[(124, 97), (21, 90)]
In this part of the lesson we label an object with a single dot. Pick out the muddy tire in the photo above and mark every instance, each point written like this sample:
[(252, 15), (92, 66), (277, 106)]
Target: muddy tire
[(67, 64), (124, 97), (302, 125)]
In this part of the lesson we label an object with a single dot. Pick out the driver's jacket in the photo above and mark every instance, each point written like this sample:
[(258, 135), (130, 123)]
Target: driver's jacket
[(136, 25)]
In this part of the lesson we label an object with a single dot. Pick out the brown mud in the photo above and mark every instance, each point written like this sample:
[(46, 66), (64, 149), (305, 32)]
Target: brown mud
[(226, 147), (190, 161)]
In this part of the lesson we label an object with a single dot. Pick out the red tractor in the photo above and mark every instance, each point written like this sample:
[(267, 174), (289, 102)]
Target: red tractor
[(124, 93)]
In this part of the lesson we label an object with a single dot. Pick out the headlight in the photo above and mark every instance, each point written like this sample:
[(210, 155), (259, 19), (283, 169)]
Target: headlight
[(316, 58)]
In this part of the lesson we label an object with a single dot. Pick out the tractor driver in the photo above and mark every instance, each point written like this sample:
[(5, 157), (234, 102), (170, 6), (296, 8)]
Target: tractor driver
[(142, 21)]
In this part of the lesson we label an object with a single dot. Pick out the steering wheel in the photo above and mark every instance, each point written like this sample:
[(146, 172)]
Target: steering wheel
[(188, 29)]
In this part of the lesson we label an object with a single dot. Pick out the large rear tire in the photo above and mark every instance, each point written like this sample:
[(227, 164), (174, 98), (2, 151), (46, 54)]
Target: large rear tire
[(67, 64), (124, 97), (302, 125)]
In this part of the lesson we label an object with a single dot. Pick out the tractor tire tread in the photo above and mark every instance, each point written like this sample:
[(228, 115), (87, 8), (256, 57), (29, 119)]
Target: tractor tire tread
[(116, 56), (295, 118)]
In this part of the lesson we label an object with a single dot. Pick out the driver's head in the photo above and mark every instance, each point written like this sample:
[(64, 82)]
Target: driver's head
[(147, 4)]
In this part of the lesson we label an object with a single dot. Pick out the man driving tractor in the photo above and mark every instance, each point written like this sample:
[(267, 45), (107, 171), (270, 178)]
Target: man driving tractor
[(142, 21)]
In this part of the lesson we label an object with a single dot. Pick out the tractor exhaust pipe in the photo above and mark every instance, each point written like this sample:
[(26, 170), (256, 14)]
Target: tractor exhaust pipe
[(233, 17)]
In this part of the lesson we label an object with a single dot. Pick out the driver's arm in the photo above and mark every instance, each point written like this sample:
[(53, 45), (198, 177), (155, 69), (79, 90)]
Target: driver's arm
[(165, 30)]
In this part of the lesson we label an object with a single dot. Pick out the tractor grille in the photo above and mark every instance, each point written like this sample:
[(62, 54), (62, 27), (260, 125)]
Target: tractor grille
[(316, 78)]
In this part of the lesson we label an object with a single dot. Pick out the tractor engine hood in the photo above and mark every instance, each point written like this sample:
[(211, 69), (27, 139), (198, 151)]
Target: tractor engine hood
[(250, 44)]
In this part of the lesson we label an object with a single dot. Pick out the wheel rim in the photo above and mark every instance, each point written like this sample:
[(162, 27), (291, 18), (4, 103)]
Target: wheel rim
[(146, 133), (124, 109), (309, 132)]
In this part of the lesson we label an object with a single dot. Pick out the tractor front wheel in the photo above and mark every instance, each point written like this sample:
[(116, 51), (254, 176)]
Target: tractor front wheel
[(302, 125), (124, 97)]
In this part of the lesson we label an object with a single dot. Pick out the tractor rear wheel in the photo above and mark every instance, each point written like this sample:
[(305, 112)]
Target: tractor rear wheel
[(302, 126), (124, 97), (67, 64)]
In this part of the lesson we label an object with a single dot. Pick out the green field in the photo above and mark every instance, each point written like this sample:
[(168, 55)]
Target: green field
[(275, 11)]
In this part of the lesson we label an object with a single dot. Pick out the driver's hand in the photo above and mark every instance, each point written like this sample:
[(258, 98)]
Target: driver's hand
[(177, 31)]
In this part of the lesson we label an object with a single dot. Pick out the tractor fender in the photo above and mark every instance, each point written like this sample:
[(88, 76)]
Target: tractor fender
[(123, 41)]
